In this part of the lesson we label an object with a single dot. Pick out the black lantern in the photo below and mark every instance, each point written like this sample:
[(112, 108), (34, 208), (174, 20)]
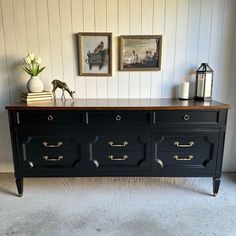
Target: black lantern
[(204, 77)]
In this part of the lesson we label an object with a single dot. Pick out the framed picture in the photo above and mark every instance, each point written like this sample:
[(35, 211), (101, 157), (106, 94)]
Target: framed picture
[(95, 54), (140, 52)]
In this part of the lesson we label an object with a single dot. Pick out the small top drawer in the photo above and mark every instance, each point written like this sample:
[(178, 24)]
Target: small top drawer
[(186, 117), (48, 117), (119, 118)]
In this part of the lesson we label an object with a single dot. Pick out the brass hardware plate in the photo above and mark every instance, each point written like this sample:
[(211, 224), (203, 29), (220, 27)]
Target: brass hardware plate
[(46, 158), (188, 158), (190, 144), (122, 158), (111, 143), (45, 144)]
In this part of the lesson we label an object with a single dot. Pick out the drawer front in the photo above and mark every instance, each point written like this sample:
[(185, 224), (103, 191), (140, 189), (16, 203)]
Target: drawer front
[(186, 117), (118, 142), (119, 161), (183, 141), (52, 160), (34, 143), (182, 159), (118, 118), (48, 117), (170, 160)]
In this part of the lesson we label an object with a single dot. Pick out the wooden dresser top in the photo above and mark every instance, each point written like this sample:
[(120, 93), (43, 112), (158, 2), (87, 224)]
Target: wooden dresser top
[(120, 104)]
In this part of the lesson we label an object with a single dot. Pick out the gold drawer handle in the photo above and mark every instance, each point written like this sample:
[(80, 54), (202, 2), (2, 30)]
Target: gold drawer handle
[(125, 143), (50, 118), (184, 145), (45, 144), (46, 158), (122, 158), (177, 158)]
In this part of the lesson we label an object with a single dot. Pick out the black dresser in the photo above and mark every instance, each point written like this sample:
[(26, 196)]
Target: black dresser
[(110, 137)]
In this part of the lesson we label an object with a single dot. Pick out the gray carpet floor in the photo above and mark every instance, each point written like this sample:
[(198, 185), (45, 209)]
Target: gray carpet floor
[(118, 207)]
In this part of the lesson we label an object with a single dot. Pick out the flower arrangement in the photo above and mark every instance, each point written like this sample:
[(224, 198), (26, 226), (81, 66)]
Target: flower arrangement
[(33, 63)]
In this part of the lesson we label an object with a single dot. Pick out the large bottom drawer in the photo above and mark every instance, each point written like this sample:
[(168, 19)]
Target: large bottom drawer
[(51, 160)]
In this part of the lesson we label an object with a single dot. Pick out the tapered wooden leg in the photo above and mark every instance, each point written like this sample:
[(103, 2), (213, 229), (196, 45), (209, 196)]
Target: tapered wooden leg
[(19, 185), (216, 185)]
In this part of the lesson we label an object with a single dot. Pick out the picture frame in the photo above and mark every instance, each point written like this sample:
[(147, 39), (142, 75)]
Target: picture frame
[(140, 52), (95, 53)]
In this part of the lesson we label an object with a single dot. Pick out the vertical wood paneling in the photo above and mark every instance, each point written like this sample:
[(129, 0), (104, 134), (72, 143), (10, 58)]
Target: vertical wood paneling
[(67, 44), (230, 147), (216, 38), (31, 26), (101, 26), (89, 26), (77, 26), (181, 44), (11, 48), (158, 29), (169, 50), (44, 42), (147, 25), (135, 29), (124, 22), (192, 42), (21, 42), (5, 147), (112, 26), (205, 30), (194, 31), (55, 40), (226, 49)]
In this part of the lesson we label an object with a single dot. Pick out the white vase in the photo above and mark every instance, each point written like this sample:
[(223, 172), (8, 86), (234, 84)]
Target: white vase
[(35, 84)]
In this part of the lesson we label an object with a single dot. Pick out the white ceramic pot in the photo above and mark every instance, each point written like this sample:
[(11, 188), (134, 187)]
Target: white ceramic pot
[(35, 84)]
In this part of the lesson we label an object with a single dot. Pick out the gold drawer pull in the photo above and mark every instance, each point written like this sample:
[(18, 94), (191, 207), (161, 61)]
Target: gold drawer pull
[(184, 145), (125, 143), (50, 118), (122, 158), (46, 158), (177, 158), (45, 144)]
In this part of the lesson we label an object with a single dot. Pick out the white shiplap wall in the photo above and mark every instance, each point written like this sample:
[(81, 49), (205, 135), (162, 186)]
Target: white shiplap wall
[(194, 31)]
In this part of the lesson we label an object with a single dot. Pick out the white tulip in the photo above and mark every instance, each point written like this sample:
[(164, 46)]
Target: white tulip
[(27, 60), (31, 56), (38, 60)]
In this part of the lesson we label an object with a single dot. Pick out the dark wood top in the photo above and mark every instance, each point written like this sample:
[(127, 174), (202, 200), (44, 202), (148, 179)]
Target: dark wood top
[(120, 104)]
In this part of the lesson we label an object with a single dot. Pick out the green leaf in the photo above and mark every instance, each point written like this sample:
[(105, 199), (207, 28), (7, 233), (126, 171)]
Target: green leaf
[(40, 70), (27, 70)]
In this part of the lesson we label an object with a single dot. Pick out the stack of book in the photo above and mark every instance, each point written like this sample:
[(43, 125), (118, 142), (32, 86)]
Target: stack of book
[(34, 97)]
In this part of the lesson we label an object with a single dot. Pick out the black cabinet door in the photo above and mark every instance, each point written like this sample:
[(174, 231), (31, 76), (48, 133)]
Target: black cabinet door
[(184, 153)]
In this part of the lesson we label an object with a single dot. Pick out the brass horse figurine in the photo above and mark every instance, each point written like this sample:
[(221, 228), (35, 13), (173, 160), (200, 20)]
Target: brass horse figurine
[(63, 86)]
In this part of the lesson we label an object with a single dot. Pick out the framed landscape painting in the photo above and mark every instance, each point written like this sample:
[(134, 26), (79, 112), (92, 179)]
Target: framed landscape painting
[(95, 54), (140, 52)]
